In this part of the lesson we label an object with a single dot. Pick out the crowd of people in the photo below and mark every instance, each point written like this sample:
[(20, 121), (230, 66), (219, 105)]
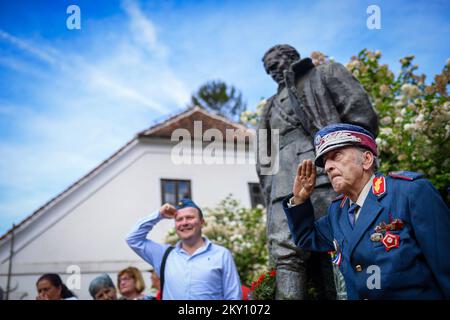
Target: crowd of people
[(197, 268), (397, 223), (130, 286)]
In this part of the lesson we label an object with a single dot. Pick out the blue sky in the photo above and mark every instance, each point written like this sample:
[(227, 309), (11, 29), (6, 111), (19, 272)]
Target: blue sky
[(70, 98)]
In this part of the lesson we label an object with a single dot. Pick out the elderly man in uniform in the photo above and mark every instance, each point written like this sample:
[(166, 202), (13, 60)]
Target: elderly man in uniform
[(390, 234), (309, 97)]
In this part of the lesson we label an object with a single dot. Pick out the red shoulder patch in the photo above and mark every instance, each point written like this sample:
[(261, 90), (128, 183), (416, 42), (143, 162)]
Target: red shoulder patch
[(378, 186)]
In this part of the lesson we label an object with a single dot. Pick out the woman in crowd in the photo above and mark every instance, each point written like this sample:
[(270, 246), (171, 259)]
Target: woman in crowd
[(131, 284), (102, 288), (156, 283), (50, 287)]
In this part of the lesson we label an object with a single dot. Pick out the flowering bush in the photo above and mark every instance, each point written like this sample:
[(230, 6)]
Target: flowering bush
[(251, 118), (264, 287), (242, 231), (414, 117)]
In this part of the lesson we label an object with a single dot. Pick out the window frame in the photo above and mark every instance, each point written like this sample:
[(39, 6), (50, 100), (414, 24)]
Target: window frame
[(163, 181)]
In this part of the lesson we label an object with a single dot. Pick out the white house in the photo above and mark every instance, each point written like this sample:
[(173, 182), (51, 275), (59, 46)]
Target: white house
[(82, 229)]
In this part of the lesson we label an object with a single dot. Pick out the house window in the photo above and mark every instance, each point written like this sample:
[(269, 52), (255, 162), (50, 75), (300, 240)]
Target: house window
[(256, 196), (173, 191)]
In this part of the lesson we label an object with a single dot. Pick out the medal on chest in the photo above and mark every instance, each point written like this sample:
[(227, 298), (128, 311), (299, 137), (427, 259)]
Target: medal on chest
[(382, 234)]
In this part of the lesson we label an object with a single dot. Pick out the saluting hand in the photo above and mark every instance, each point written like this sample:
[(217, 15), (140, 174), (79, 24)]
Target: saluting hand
[(304, 182), (168, 211)]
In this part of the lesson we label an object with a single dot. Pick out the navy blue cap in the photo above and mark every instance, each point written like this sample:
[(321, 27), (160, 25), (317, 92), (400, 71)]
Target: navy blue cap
[(188, 203), (339, 135)]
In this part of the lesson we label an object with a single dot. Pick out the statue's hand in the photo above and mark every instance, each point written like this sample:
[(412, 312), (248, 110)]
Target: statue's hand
[(304, 182)]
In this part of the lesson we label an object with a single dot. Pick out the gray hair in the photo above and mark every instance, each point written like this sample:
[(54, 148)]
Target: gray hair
[(101, 282), (376, 161)]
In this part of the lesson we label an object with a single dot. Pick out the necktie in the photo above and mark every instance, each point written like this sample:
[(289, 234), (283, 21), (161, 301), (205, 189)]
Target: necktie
[(351, 214)]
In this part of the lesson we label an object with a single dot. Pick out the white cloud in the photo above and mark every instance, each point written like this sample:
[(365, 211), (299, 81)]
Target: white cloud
[(86, 104), (28, 47), (143, 29), (228, 43)]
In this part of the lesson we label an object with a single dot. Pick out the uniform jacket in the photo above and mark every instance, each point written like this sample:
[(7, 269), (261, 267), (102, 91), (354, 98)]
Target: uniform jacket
[(419, 268)]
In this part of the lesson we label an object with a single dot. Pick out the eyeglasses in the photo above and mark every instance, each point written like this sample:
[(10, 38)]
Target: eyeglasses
[(126, 278)]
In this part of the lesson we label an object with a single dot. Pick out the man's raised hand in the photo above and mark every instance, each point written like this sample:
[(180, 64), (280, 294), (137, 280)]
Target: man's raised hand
[(304, 182), (168, 211)]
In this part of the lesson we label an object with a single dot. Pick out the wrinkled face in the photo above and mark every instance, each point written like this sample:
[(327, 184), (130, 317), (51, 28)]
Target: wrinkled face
[(188, 224), (47, 291), (344, 167), (106, 294), (127, 284), (275, 63)]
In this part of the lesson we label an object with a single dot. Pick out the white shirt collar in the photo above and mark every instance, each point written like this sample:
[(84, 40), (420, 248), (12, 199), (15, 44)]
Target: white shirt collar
[(365, 191)]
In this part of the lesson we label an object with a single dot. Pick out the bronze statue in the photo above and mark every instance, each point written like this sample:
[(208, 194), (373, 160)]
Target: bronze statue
[(309, 97)]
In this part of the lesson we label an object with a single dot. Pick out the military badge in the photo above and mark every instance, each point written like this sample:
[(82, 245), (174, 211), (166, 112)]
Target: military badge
[(382, 232), (317, 140), (378, 186), (381, 227), (390, 241), (397, 224), (375, 237)]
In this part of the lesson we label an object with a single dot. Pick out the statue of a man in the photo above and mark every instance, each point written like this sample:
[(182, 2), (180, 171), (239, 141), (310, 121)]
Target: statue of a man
[(309, 97)]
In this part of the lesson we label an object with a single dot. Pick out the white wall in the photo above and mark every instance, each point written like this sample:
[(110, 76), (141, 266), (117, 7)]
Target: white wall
[(88, 227)]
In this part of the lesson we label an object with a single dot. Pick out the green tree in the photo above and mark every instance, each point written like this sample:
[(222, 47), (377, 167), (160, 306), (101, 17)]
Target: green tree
[(242, 231), (218, 97)]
